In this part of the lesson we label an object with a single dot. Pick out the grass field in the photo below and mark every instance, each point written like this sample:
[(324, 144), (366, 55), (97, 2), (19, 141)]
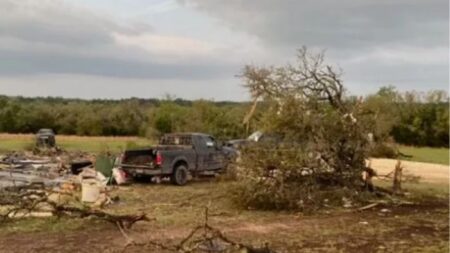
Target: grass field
[(425, 154), (12, 142)]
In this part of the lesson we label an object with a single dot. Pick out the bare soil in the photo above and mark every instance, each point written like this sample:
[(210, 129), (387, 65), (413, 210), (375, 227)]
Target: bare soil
[(428, 172)]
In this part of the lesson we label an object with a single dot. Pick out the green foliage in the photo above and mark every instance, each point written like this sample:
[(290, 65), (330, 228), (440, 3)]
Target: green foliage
[(425, 154), (224, 122), (131, 117), (411, 118), (383, 150), (323, 146)]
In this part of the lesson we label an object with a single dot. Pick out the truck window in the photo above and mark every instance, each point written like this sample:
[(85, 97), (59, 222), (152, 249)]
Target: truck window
[(209, 141), (176, 140)]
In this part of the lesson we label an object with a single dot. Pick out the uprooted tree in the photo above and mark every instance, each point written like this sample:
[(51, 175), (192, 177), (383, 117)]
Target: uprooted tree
[(321, 142)]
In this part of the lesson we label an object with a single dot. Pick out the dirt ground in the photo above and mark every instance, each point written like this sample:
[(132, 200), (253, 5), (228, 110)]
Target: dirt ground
[(428, 172), (408, 231), (419, 226)]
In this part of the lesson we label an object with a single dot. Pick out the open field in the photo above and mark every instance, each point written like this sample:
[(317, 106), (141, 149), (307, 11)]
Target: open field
[(428, 172), (426, 154), (419, 227), (12, 142)]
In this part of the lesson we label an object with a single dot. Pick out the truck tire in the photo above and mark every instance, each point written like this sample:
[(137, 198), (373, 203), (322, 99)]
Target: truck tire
[(179, 175)]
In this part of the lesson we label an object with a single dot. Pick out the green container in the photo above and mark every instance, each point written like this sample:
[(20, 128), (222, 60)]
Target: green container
[(104, 164)]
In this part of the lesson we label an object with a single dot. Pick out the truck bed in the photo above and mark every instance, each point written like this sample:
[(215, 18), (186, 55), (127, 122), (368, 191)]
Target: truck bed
[(146, 157)]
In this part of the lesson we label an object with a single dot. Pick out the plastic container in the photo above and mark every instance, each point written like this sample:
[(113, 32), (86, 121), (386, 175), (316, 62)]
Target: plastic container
[(90, 191)]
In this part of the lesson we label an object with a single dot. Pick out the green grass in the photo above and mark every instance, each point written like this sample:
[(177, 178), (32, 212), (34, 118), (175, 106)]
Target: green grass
[(11, 142), (12, 145), (95, 144), (426, 154), (100, 145)]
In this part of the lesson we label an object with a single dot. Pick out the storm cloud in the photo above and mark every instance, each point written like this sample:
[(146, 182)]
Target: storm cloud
[(193, 46), (54, 37), (404, 42), (345, 24)]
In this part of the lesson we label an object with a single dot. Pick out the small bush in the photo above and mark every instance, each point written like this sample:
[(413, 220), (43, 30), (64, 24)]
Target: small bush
[(383, 150)]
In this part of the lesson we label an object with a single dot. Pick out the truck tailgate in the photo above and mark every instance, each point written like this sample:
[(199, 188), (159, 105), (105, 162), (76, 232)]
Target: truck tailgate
[(139, 157)]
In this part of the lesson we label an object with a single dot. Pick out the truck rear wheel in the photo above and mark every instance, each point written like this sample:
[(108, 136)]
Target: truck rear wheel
[(180, 175)]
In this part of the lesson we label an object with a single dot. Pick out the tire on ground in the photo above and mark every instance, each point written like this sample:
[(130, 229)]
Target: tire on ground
[(179, 175)]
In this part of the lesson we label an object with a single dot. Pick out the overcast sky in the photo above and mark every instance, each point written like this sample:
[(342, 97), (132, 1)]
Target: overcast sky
[(195, 48)]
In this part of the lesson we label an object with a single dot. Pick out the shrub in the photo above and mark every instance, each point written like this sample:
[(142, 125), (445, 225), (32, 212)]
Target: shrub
[(383, 150)]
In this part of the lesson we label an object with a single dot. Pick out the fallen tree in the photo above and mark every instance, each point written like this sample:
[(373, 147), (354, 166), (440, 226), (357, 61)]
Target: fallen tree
[(323, 139)]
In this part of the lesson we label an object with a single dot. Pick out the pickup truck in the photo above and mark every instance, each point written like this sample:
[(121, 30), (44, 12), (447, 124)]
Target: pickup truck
[(256, 137), (177, 156)]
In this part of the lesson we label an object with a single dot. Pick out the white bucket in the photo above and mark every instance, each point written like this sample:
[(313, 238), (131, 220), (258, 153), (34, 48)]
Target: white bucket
[(90, 191)]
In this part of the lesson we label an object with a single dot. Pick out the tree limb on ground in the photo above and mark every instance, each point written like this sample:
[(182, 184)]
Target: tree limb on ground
[(23, 203), (202, 238)]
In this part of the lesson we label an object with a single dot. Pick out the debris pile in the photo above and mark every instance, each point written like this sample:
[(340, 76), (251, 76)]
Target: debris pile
[(38, 201), (39, 185)]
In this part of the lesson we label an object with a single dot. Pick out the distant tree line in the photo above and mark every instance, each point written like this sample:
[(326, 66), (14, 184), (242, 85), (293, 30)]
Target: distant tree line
[(410, 118), (128, 117)]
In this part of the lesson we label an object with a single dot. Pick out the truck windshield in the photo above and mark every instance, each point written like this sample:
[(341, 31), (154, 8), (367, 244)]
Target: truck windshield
[(176, 140)]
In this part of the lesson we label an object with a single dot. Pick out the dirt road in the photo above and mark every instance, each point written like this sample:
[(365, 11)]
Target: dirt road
[(428, 172)]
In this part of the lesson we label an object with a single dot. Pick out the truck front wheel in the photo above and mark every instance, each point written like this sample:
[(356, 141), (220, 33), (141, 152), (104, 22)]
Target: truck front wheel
[(180, 175)]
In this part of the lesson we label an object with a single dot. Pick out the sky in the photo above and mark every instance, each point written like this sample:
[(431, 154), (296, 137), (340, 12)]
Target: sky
[(196, 49)]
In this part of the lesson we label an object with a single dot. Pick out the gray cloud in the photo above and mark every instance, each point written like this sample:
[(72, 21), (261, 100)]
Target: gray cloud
[(342, 24), (402, 42), (19, 63), (82, 86), (52, 22), (51, 36)]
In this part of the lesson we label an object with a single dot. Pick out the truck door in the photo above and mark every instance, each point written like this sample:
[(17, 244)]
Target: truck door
[(213, 156), (201, 151)]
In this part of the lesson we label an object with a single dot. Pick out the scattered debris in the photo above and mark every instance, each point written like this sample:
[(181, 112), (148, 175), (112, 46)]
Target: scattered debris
[(39, 201), (65, 177), (203, 238), (120, 177), (77, 166), (347, 202), (369, 206)]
